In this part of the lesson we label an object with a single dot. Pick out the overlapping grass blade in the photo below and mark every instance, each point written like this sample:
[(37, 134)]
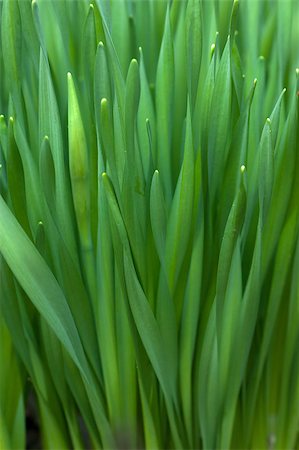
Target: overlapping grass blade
[(149, 288)]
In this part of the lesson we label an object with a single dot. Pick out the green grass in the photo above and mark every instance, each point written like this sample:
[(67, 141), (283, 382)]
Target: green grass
[(149, 223)]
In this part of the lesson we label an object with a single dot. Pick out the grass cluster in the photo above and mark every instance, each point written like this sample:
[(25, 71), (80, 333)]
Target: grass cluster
[(149, 216)]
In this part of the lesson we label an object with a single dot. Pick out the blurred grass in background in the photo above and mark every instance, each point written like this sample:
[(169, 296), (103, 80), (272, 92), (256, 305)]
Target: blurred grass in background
[(149, 249)]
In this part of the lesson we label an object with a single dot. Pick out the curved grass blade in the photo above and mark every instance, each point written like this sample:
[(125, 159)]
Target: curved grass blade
[(39, 283)]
